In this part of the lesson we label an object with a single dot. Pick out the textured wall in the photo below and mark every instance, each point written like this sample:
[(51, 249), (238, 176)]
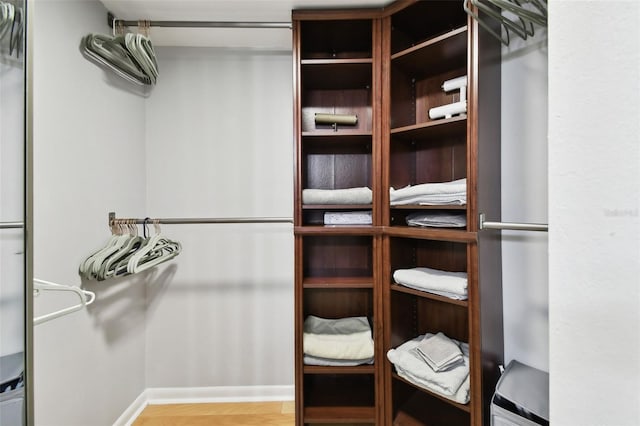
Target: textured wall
[(594, 218)]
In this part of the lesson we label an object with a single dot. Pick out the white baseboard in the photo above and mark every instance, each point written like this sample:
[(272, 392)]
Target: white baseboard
[(155, 396), (133, 411)]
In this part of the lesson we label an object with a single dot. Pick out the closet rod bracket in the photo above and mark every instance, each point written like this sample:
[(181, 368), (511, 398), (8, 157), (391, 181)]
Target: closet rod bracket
[(512, 226)]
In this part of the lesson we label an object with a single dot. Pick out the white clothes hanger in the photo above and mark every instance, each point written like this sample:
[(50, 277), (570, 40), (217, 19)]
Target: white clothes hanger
[(86, 298), (157, 250)]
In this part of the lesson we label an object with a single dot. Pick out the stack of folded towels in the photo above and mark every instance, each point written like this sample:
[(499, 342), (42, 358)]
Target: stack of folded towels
[(444, 283), (435, 362), (337, 342), (441, 193), (360, 195), (438, 219)]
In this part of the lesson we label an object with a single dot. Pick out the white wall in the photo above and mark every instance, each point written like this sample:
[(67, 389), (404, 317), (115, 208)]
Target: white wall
[(11, 203), (524, 199), (594, 212), (220, 144), (88, 160)]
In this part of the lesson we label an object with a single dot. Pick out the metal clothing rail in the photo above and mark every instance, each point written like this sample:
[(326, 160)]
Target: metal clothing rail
[(113, 22), (482, 224), (200, 220), (11, 225)]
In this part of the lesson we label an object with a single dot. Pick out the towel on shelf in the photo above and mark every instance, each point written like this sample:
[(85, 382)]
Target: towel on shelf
[(361, 195), (445, 283), (439, 193), (438, 219), (440, 352), (445, 383), (348, 218), (462, 396), (328, 362), (344, 338)]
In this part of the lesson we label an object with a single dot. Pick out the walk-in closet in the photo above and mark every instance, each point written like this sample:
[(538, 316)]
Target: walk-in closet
[(337, 212)]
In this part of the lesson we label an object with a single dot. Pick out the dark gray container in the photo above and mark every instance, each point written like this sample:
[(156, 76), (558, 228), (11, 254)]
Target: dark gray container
[(521, 397)]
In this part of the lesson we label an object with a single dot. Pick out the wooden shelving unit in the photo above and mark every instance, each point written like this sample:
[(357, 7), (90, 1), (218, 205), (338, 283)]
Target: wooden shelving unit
[(387, 67)]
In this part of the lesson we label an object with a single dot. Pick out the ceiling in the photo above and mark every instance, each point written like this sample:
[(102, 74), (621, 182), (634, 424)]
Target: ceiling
[(223, 10)]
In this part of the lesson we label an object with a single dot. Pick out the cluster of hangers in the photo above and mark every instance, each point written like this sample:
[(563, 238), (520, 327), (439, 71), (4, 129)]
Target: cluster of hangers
[(126, 252), (503, 10), (129, 55), (11, 26)]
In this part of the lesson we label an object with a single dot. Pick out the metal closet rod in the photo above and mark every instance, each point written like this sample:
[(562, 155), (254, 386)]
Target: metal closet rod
[(201, 220), (11, 225), (112, 21), (514, 226)]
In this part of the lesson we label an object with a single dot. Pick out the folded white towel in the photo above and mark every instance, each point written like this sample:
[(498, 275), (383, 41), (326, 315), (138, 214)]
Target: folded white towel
[(348, 218), (439, 293), (445, 382), (328, 362), (361, 195), (318, 325), (433, 280), (440, 352), (438, 219), (462, 396), (344, 338), (439, 193)]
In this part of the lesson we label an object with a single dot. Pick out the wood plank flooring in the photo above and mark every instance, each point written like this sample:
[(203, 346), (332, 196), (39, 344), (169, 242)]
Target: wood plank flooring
[(219, 414)]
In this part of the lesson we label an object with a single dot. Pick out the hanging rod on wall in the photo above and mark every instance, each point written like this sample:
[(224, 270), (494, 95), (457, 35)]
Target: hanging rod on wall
[(112, 21), (483, 224), (11, 225), (199, 220)]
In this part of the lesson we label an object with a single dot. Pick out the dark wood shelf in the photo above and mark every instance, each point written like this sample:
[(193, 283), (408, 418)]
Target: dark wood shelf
[(333, 414), (332, 230), (463, 407), (430, 207), (431, 130), (343, 133), (445, 52), (336, 74), (337, 282), (336, 207), (340, 61), (426, 295), (359, 369), (431, 234)]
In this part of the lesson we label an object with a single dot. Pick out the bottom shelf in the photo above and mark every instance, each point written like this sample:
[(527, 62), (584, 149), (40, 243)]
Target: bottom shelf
[(339, 398), (412, 407), (340, 415)]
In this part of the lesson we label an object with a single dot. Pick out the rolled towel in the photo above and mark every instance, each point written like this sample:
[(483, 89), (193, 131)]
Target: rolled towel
[(360, 195), (440, 352), (438, 219), (433, 280), (445, 383), (344, 338)]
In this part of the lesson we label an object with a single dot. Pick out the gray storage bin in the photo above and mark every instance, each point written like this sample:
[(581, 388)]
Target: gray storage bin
[(521, 397)]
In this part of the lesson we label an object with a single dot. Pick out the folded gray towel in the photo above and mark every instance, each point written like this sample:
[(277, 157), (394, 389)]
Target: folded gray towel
[(438, 219), (348, 218), (440, 352)]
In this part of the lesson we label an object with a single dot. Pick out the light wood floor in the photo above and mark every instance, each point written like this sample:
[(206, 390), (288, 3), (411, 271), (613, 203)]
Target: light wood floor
[(219, 414)]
